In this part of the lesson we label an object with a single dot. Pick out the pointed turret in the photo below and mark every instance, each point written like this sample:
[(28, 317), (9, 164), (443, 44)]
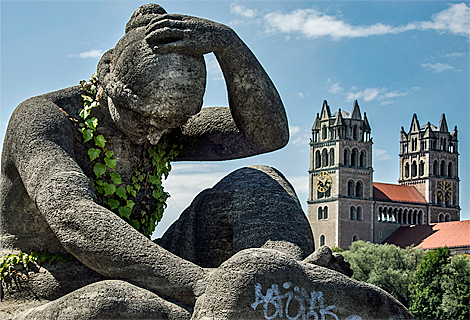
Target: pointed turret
[(443, 124), (366, 126), (316, 124), (356, 112), (428, 133), (339, 119), (454, 134), (325, 111), (404, 136), (414, 124)]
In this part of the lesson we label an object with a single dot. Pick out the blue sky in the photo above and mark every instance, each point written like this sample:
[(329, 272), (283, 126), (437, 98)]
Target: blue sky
[(395, 57)]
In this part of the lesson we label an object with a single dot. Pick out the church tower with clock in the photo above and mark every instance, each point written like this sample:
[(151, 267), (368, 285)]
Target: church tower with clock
[(340, 206), (346, 205), (429, 162)]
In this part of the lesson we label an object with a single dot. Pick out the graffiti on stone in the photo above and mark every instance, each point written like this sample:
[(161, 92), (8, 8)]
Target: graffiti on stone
[(283, 306)]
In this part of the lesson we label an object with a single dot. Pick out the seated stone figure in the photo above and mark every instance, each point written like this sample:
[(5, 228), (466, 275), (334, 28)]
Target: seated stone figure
[(152, 86)]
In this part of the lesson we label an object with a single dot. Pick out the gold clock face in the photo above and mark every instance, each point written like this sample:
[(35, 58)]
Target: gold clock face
[(323, 181), (444, 190)]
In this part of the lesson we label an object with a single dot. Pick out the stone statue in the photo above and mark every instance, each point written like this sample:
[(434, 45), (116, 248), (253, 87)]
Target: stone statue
[(235, 253)]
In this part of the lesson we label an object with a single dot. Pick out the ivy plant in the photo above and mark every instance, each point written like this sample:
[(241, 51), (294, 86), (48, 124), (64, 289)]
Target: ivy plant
[(113, 193)]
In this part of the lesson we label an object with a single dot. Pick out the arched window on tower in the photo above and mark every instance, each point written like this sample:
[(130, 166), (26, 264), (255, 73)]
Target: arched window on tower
[(322, 240), (355, 132), (359, 189), (324, 158), (359, 214), (352, 213), (407, 170), (346, 157), (443, 168), (355, 238), (354, 157), (421, 168), (317, 159), (362, 161), (350, 188), (325, 213), (450, 170), (435, 168), (320, 213), (414, 170), (332, 157), (323, 133)]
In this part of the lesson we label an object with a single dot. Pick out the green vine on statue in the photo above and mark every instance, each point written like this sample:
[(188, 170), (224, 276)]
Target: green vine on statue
[(113, 194)]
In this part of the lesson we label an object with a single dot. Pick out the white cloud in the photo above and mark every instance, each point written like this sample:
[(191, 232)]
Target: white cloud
[(242, 10), (214, 72), (438, 67), (336, 88), (293, 130), (300, 94), (382, 155), (298, 137), (377, 94), (94, 54), (455, 55), (315, 24), (455, 19)]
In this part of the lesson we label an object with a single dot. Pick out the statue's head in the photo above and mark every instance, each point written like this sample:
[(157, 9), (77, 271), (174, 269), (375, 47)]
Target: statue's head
[(163, 89)]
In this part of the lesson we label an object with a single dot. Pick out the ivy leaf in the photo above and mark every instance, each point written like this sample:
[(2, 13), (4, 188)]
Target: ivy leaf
[(93, 153), (87, 134), (137, 186), (87, 98), (153, 179), (100, 141), (110, 162), (130, 189), (135, 224), (109, 189), (99, 169), (125, 212), (121, 192), (109, 154), (156, 194), (99, 182), (113, 204), (130, 204), (115, 177), (92, 123)]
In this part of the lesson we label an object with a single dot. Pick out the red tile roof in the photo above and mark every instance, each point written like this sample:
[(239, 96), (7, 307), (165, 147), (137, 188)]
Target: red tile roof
[(452, 234), (395, 192)]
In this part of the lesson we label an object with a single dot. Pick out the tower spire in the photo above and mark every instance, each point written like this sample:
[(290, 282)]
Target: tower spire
[(356, 112), (325, 111), (443, 124), (414, 124)]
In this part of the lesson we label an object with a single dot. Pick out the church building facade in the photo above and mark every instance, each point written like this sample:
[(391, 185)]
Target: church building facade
[(345, 205)]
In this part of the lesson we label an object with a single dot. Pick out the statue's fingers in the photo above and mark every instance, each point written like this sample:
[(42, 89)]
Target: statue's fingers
[(176, 17), (176, 24), (166, 35)]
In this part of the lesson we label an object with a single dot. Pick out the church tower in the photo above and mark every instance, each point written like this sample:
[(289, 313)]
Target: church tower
[(340, 203), (429, 162)]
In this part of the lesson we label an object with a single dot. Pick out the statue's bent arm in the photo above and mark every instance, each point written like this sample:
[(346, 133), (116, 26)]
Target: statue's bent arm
[(255, 121), (64, 196)]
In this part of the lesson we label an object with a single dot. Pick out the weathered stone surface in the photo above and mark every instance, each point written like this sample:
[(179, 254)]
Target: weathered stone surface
[(110, 299), (268, 284), (251, 207), (324, 257)]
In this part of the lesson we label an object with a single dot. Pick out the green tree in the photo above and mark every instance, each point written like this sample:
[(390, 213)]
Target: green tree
[(441, 287), (387, 266)]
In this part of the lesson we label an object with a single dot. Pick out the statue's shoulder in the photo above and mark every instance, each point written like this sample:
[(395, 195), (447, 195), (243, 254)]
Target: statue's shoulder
[(39, 117), (67, 99)]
